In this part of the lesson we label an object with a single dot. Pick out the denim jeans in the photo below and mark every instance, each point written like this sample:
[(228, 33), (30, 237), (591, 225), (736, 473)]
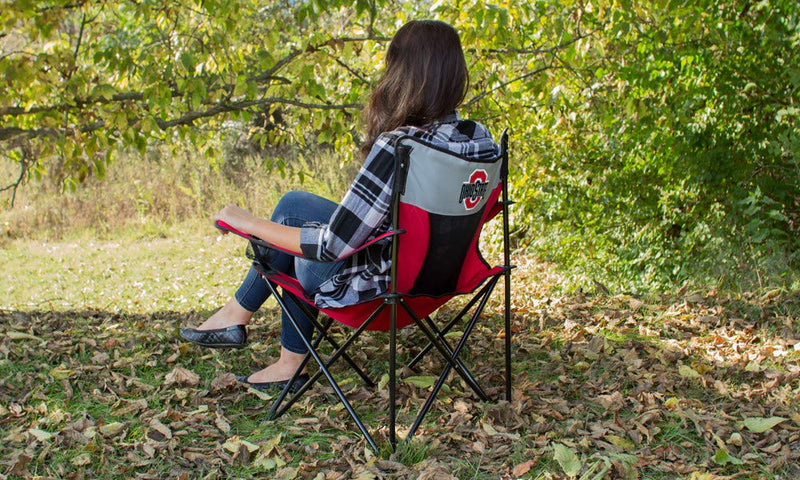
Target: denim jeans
[(294, 209)]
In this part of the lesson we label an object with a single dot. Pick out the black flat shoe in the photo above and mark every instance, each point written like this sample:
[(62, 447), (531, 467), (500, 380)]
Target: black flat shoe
[(234, 336), (280, 385)]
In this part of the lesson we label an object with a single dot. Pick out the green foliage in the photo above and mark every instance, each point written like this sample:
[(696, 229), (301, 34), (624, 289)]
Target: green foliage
[(653, 144), (674, 151), (85, 77)]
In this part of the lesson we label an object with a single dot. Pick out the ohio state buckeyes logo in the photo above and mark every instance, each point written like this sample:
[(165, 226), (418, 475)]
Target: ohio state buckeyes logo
[(474, 190)]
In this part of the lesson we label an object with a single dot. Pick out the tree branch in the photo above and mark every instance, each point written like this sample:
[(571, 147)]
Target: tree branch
[(482, 95), (136, 96), (68, 6), (190, 117), (352, 71), (7, 133), (533, 50), (23, 169)]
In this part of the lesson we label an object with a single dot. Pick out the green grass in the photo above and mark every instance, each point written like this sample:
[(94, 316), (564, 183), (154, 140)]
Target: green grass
[(89, 316), (114, 346)]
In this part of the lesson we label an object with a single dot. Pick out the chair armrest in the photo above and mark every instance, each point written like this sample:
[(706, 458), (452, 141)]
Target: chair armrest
[(257, 241)]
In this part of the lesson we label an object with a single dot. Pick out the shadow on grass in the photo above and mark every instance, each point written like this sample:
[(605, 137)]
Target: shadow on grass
[(632, 388)]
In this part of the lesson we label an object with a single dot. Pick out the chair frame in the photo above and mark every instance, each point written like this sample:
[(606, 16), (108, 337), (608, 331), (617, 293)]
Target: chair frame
[(394, 301)]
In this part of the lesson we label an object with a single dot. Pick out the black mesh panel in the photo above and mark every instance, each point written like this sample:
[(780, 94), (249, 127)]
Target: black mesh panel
[(450, 238)]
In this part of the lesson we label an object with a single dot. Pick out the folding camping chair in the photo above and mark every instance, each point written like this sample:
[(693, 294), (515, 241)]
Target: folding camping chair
[(440, 203)]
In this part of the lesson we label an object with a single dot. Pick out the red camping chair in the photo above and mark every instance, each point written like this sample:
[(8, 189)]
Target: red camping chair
[(440, 203)]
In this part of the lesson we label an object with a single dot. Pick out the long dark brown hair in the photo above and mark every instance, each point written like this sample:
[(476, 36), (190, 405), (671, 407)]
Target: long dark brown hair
[(425, 79)]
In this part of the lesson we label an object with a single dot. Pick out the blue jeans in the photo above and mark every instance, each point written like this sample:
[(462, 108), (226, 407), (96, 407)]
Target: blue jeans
[(294, 209)]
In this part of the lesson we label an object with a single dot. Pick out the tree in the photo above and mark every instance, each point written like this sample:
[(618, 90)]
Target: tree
[(649, 140), (673, 151), (86, 77), (83, 78)]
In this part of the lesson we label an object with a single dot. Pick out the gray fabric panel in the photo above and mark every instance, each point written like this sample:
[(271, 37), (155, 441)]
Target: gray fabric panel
[(440, 183)]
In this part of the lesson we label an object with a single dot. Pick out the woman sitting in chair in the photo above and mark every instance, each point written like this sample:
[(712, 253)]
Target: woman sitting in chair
[(425, 80)]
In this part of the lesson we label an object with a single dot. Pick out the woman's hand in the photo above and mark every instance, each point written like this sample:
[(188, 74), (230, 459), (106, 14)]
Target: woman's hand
[(237, 217), (282, 236)]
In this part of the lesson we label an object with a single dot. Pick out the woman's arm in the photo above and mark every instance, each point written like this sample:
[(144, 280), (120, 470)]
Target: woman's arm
[(282, 236), (363, 209)]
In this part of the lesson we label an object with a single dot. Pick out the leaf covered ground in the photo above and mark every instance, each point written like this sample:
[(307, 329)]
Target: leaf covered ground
[(95, 382)]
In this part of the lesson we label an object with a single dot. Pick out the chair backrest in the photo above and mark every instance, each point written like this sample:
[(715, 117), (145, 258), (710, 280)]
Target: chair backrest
[(444, 201), (441, 202)]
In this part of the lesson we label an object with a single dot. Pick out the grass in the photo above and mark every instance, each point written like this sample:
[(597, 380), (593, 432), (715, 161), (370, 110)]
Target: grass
[(114, 346), (96, 284)]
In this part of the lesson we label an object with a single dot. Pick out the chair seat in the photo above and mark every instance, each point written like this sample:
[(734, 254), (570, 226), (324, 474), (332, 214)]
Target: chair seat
[(355, 315)]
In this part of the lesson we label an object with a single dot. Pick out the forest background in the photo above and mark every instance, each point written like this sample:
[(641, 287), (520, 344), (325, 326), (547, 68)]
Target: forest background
[(654, 145)]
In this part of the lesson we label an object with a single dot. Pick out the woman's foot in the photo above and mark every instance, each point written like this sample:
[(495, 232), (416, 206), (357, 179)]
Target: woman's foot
[(230, 314), (281, 370), (224, 329), (279, 385), (234, 336)]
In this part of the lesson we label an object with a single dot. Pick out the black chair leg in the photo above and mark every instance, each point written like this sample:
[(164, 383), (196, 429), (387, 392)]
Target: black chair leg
[(455, 320), (322, 333), (331, 360), (337, 390)]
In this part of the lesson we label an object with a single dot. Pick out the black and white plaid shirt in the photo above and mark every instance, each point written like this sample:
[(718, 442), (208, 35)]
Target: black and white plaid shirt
[(365, 211)]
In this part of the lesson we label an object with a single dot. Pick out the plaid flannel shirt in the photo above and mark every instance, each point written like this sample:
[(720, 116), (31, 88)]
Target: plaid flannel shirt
[(365, 212)]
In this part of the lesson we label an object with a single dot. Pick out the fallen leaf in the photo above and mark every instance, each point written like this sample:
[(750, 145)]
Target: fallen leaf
[(421, 381), (761, 425), (567, 460), (182, 376), (224, 382), (773, 448), (265, 395), (133, 407), (41, 435), (612, 402), (82, 459), (222, 424), (159, 427), (523, 468), (694, 298), (201, 409), (621, 442), (383, 382), (688, 372), (61, 372), (722, 457), (235, 443), (19, 464), (268, 463), (149, 450), (12, 335), (112, 429), (489, 429), (196, 457)]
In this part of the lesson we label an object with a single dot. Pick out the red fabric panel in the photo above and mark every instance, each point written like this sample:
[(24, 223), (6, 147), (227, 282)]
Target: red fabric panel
[(413, 245), (354, 315), (475, 269), (497, 206)]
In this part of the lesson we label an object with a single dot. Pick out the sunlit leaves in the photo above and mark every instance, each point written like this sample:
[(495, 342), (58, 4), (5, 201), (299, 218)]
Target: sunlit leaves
[(129, 71), (638, 130)]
